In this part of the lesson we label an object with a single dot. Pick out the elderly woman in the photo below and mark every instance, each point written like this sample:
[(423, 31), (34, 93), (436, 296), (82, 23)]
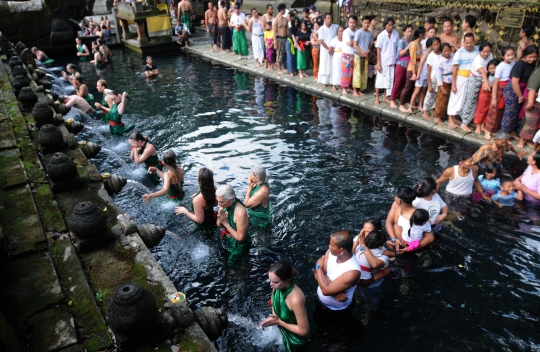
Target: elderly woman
[(202, 202), (232, 216), (256, 199)]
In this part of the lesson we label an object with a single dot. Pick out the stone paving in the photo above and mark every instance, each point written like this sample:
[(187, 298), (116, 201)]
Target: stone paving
[(200, 47)]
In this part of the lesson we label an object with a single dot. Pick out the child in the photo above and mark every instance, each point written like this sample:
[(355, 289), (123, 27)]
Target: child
[(269, 43), (444, 82), (484, 98), (496, 109), (410, 240), (490, 181), (507, 196), (432, 59), (421, 84)]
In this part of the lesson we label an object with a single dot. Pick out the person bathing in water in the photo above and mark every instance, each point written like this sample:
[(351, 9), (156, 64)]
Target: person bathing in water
[(410, 240), (173, 178), (113, 115), (142, 151), (202, 202)]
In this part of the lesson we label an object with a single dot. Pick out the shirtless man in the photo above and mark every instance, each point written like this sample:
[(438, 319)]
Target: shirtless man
[(223, 26), (280, 27), (467, 26), (269, 15), (210, 18), (185, 12), (447, 36)]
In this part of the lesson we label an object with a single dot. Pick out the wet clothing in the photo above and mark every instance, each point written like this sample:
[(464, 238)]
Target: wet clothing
[(505, 201), (152, 160), (260, 216), (88, 98), (209, 213), (175, 190), (146, 68), (114, 119), (460, 185), (235, 248), (291, 341), (80, 49), (185, 17)]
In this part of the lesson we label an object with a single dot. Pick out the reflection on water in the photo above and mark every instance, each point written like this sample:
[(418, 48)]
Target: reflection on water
[(330, 167)]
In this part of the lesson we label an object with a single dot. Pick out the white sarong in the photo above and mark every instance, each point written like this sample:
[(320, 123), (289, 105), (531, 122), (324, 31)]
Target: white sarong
[(456, 101), (385, 79), (258, 47), (336, 68)]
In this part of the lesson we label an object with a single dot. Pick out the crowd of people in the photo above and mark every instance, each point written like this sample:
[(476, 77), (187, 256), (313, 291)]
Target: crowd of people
[(102, 30), (444, 76)]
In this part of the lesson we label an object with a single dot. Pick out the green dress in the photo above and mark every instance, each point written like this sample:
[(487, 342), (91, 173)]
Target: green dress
[(260, 216), (152, 160), (291, 341), (235, 248), (209, 213), (114, 119), (186, 18), (80, 49), (240, 45), (89, 97), (176, 191)]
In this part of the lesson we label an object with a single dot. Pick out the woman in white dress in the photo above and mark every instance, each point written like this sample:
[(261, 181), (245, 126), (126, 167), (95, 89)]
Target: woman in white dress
[(336, 46)]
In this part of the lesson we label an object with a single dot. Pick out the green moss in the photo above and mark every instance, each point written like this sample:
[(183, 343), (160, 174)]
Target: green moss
[(92, 343), (188, 346)]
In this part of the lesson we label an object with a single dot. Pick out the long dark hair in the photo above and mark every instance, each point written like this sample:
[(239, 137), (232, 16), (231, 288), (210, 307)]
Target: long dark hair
[(375, 239), (419, 217), (425, 187), (206, 185), (169, 159), (284, 270), (376, 223), (137, 136), (492, 167)]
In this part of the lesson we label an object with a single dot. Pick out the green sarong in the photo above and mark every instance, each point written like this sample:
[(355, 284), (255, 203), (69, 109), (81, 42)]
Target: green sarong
[(48, 62), (152, 160), (176, 191), (302, 59), (291, 341), (235, 248), (240, 45), (186, 18), (114, 119), (80, 49), (209, 213), (260, 216)]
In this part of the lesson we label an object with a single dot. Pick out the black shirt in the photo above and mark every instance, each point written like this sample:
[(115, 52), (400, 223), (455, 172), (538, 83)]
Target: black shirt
[(292, 31), (304, 37), (146, 68), (308, 23), (522, 70)]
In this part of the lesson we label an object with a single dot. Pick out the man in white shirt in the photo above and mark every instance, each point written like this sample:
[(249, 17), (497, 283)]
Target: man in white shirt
[(387, 42), (324, 35)]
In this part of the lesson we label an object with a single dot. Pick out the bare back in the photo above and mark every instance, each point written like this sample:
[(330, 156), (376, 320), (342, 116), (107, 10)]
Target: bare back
[(184, 6), (223, 20)]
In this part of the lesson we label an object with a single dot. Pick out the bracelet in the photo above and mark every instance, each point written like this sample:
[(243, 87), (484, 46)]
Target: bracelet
[(393, 239)]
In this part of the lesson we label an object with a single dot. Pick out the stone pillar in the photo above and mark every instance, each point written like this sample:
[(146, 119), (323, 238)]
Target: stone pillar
[(118, 27), (125, 29), (141, 33)]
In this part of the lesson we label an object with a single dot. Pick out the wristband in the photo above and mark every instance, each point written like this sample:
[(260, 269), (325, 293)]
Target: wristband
[(362, 248), (393, 239)]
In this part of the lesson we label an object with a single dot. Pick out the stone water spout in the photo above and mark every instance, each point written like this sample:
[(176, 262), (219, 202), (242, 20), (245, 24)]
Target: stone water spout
[(88, 223), (27, 97), (50, 139), (76, 127), (61, 168), (213, 321), (89, 149), (151, 234), (43, 114), (114, 183)]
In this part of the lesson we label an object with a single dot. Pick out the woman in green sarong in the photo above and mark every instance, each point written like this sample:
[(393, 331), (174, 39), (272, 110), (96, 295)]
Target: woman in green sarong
[(173, 178), (142, 151), (288, 307), (303, 50), (82, 50), (238, 24), (256, 200), (232, 216), (81, 89), (113, 115), (204, 201), (103, 88)]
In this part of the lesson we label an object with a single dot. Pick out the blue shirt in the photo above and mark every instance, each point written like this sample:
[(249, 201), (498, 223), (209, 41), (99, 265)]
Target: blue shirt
[(493, 185), (507, 201)]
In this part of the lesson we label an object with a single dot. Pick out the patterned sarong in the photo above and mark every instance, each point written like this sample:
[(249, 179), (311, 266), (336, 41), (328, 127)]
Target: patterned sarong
[(347, 67)]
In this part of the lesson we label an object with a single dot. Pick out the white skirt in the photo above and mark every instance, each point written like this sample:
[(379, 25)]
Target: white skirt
[(325, 67), (456, 101), (258, 47), (336, 69)]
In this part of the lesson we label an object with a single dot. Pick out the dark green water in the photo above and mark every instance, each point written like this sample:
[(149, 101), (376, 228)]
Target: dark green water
[(330, 168)]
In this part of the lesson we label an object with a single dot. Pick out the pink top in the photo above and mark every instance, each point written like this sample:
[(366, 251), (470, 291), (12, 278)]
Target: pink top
[(532, 182)]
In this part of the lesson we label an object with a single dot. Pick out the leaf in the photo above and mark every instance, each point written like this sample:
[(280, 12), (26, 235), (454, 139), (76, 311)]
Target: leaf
[(105, 209)]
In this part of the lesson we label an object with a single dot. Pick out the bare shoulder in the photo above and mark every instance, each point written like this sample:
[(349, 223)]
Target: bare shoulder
[(297, 297)]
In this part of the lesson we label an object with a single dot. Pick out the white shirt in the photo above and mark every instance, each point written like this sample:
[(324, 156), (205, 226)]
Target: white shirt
[(433, 206), (478, 62), (363, 262), (333, 271), (432, 61), (388, 46), (502, 72), (416, 233), (238, 19), (536, 137), (348, 35), (326, 34)]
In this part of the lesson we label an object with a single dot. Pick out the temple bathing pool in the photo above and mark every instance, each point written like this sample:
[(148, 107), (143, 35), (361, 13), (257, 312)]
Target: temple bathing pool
[(330, 168)]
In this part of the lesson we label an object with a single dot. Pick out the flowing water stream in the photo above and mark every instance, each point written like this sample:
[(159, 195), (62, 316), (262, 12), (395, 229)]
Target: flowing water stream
[(330, 168)]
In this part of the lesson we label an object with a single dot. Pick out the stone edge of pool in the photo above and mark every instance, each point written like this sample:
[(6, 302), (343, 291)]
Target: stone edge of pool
[(200, 47)]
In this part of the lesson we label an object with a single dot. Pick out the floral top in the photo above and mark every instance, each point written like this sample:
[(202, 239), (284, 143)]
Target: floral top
[(444, 70), (403, 61), (415, 52)]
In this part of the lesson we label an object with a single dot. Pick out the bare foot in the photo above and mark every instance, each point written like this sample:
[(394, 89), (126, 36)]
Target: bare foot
[(292, 75), (465, 128), (452, 125), (437, 120), (403, 109), (477, 130), (360, 93), (300, 75), (425, 115), (520, 146), (421, 109), (393, 105), (514, 135), (281, 72), (258, 65), (377, 101), (386, 100), (211, 50), (356, 94), (324, 86), (487, 136), (333, 87), (344, 91)]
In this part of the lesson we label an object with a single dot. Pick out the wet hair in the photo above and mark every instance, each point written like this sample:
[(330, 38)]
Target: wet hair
[(406, 194), (492, 167), (429, 42), (506, 179), (169, 159), (419, 218), (206, 186), (502, 135), (419, 32), (431, 20), (493, 62), (528, 30), (281, 7), (269, 6), (464, 156), (366, 17), (484, 45), (226, 191), (344, 239), (406, 26), (260, 172), (448, 19), (34, 49), (425, 187), (354, 17), (222, 3), (78, 79), (137, 136), (471, 20), (103, 83), (468, 35), (445, 45), (506, 49), (531, 49), (536, 158), (387, 20), (284, 270), (376, 223), (103, 27), (71, 66), (375, 239)]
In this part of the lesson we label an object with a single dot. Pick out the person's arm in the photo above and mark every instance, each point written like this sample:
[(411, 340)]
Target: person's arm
[(86, 51), (518, 154), (521, 187), (404, 51), (339, 285), (198, 210), (485, 80), (374, 262), (531, 97), (206, 21), (249, 28), (122, 105), (257, 199), (442, 215), (350, 42), (494, 101), (145, 155), (454, 78), (240, 217), (440, 70), (148, 73), (391, 221), (445, 176), (166, 186), (357, 49), (301, 328), (420, 66), (379, 66), (519, 195), (430, 84), (517, 89)]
